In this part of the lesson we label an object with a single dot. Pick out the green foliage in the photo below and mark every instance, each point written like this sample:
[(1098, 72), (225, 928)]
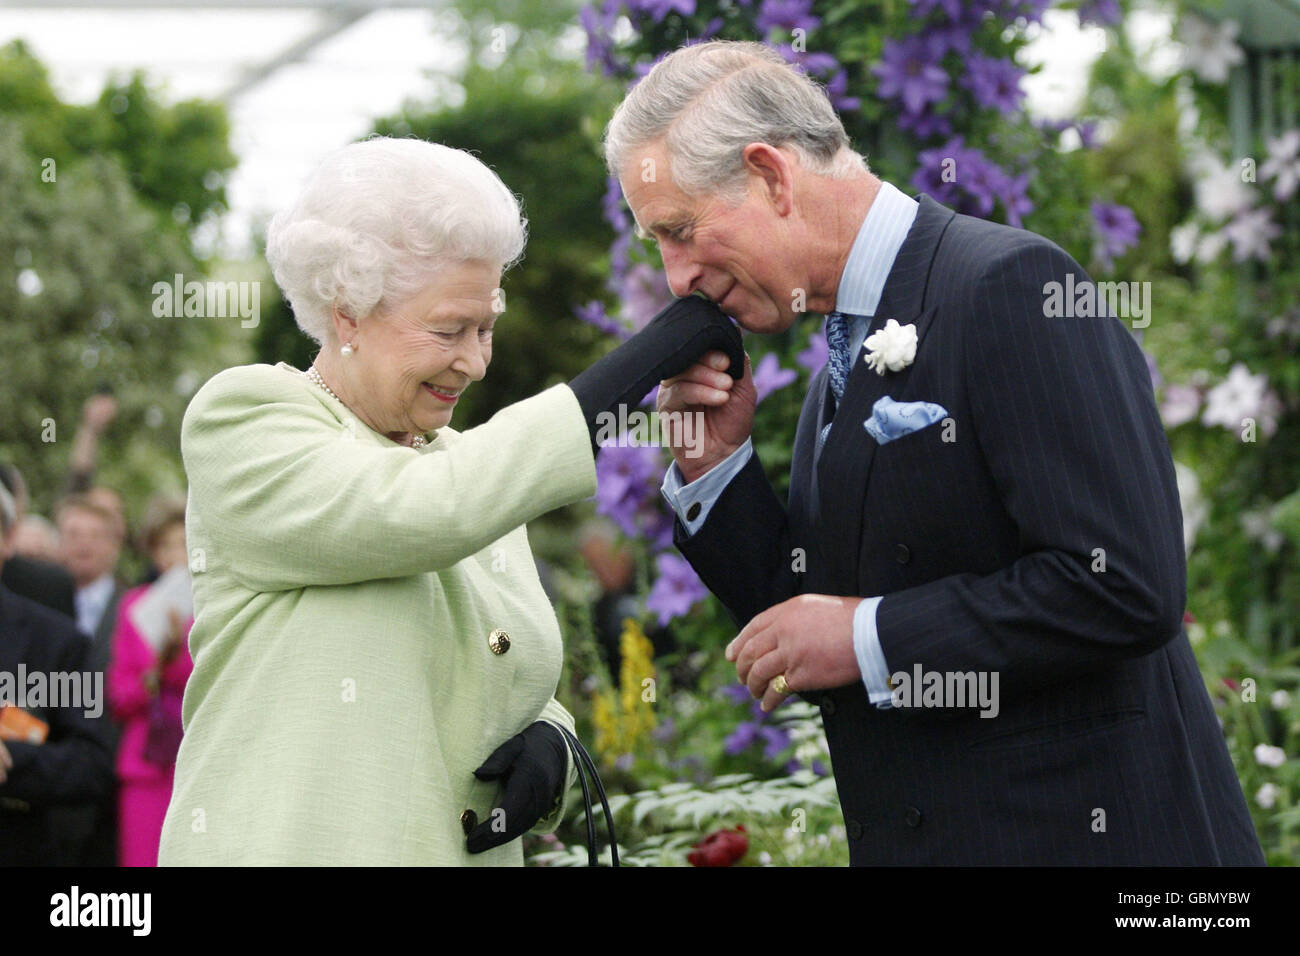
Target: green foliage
[(1257, 698), (90, 195)]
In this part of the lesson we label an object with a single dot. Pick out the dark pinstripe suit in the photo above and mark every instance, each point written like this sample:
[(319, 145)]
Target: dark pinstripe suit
[(983, 547)]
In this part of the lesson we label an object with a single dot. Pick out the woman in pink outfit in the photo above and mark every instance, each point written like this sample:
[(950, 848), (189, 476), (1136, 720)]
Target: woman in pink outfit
[(145, 689)]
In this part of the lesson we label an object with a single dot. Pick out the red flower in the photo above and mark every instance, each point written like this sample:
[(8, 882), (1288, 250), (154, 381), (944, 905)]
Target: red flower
[(720, 848), (1189, 617), (1230, 682)]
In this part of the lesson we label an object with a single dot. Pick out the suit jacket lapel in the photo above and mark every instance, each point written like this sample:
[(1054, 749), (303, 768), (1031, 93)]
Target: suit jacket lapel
[(844, 467)]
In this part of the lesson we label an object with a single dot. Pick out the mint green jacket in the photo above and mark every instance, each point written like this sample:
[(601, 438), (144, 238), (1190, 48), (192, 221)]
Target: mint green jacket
[(345, 588)]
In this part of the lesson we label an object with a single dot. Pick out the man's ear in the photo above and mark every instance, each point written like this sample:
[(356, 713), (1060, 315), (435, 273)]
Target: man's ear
[(776, 173)]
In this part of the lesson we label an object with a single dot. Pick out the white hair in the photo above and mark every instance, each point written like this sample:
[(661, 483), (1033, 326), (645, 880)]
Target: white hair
[(379, 219), (708, 101)]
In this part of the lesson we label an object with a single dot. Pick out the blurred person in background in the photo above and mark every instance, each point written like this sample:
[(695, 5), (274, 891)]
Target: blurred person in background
[(91, 545), (27, 574), (73, 764), (38, 539), (145, 690), (375, 661), (90, 535)]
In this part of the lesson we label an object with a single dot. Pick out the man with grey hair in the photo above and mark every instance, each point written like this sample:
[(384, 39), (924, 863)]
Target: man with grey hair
[(979, 496)]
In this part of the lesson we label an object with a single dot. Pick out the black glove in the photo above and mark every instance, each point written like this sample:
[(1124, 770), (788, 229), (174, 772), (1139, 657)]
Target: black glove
[(672, 342), (533, 769)]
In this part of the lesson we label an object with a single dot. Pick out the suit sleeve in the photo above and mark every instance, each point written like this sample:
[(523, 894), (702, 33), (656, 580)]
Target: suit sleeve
[(1065, 417), (743, 552), (75, 764), (290, 499)]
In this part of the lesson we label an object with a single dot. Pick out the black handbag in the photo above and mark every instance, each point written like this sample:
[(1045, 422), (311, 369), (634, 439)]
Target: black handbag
[(582, 760)]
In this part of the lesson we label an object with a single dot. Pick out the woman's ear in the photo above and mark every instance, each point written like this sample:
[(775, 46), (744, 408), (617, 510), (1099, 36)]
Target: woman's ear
[(772, 166), (345, 327)]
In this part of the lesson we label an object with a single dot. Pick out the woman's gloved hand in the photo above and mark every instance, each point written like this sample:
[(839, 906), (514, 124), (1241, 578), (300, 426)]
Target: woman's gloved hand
[(672, 342), (533, 769)]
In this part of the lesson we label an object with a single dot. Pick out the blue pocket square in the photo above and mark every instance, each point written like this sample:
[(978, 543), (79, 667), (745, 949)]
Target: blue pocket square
[(890, 419)]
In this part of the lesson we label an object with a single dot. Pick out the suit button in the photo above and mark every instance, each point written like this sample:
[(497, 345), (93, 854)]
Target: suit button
[(693, 512), (828, 706), (855, 830), (902, 554), (499, 641), (468, 820), (913, 817)]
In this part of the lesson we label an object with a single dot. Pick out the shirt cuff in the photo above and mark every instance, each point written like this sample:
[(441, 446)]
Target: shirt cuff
[(693, 502), (871, 657)]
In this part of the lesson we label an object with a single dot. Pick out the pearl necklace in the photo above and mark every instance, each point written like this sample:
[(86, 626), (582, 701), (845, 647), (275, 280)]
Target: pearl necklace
[(313, 376)]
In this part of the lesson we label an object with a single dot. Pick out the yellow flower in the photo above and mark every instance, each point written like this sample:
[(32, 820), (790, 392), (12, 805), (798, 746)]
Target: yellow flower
[(622, 723)]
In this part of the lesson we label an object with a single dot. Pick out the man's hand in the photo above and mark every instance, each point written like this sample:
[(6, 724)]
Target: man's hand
[(808, 638), (6, 763), (727, 407)]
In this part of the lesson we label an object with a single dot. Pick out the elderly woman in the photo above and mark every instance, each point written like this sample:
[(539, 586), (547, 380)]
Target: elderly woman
[(375, 661)]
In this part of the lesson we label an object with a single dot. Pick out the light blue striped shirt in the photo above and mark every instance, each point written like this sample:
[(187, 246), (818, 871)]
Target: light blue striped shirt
[(870, 260)]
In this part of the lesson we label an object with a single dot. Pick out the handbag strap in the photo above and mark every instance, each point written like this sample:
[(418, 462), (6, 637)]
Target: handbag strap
[(585, 765), (593, 858)]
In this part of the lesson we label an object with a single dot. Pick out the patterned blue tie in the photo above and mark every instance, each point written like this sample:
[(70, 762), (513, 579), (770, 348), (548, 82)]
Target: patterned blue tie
[(838, 363), (839, 360)]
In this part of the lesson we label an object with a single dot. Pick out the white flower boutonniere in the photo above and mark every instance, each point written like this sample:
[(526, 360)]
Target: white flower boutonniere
[(893, 347)]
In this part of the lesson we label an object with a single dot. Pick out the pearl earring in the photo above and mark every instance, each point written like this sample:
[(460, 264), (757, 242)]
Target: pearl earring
[(347, 349)]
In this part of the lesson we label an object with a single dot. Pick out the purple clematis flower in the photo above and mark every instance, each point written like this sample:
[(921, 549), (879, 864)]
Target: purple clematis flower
[(627, 478), (1117, 231), (787, 15), (909, 71), (645, 292), (1087, 133), (676, 590), (611, 206), (815, 356), (593, 313), (950, 8), (925, 125), (969, 181), (776, 739), (814, 62), (599, 26), (738, 693), (955, 37), (740, 738), (837, 89), (769, 376), (1016, 200), (995, 82), (658, 9)]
